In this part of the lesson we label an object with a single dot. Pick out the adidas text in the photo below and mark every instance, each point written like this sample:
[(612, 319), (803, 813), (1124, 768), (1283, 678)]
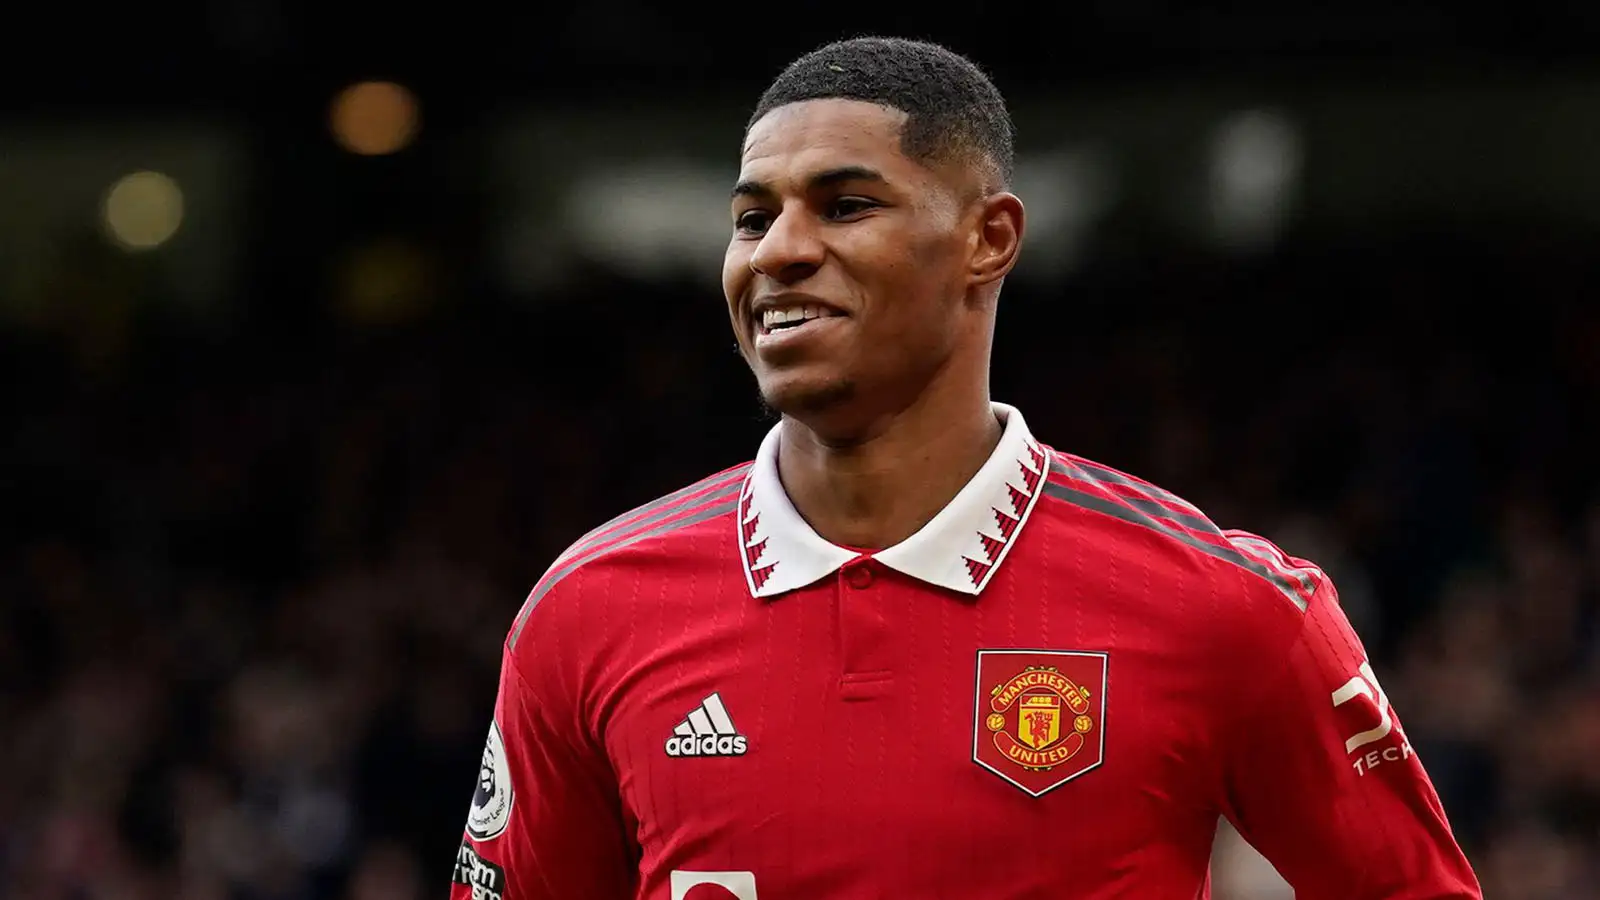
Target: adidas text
[(709, 745)]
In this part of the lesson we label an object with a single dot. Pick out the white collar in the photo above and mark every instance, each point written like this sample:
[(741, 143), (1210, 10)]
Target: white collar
[(960, 548)]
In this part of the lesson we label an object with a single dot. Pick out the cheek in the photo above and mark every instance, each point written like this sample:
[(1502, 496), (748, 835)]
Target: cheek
[(735, 272), (907, 261), (930, 291), (940, 254), (926, 277)]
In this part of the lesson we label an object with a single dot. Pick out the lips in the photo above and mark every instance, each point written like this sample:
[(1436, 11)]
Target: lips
[(785, 312), (794, 336), (784, 318)]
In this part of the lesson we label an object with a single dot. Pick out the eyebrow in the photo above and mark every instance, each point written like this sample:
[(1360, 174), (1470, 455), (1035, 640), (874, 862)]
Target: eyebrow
[(828, 178)]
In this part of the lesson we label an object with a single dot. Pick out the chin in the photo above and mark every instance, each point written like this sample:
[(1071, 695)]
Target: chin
[(806, 398)]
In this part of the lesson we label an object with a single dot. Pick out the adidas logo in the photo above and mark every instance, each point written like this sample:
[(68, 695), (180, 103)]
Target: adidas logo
[(707, 731)]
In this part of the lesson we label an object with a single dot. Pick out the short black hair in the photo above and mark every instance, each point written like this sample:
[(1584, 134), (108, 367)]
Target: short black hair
[(951, 106)]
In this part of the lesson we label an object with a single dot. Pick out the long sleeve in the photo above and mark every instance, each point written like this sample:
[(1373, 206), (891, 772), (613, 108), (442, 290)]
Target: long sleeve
[(545, 820), (1321, 779)]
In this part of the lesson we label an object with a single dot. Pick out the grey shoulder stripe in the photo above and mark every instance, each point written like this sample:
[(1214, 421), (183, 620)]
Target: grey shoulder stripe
[(723, 502), (653, 512), (737, 473), (1261, 548), (1101, 473), (1130, 514), (1184, 513)]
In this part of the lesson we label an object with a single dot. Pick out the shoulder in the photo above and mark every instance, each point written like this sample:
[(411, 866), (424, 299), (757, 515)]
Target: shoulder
[(1184, 536), (669, 529)]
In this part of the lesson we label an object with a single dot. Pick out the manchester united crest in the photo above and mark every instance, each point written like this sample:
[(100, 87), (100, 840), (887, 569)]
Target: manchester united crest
[(1039, 720)]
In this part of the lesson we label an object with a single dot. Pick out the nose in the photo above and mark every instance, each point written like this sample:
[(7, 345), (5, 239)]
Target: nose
[(790, 250)]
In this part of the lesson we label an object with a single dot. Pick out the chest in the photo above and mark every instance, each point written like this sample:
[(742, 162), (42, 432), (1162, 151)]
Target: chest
[(866, 728)]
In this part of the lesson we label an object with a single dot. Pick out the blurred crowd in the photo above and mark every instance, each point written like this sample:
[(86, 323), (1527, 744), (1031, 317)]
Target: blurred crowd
[(254, 580)]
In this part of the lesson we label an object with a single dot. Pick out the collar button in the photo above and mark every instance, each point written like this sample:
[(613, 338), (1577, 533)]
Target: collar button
[(859, 576)]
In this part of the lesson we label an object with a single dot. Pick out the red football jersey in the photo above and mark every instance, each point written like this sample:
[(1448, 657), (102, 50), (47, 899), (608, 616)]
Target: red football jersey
[(1054, 689)]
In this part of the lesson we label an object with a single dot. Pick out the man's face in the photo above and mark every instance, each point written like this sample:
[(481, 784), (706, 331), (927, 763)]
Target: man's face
[(846, 273)]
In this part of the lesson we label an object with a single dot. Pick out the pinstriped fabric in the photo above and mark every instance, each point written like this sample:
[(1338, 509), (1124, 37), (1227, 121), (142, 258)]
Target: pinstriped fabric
[(1299, 574), (652, 512), (1133, 488), (1104, 490), (858, 787), (703, 500)]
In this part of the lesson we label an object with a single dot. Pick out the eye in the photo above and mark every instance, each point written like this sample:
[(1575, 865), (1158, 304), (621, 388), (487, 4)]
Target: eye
[(753, 221), (845, 207)]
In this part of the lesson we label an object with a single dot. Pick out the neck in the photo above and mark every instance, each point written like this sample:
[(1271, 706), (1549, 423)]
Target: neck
[(876, 492)]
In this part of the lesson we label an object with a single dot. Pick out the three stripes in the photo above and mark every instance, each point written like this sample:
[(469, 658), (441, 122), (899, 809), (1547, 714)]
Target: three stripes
[(1072, 479), (705, 499)]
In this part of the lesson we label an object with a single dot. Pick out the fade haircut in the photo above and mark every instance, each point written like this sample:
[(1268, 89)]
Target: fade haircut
[(953, 111)]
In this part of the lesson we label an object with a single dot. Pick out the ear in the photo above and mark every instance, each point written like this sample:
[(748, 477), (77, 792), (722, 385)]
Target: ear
[(997, 238)]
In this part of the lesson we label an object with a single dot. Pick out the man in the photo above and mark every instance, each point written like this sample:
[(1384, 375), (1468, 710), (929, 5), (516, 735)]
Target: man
[(910, 651)]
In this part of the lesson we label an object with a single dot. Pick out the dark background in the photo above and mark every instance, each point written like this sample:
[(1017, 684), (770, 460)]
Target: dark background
[(274, 485)]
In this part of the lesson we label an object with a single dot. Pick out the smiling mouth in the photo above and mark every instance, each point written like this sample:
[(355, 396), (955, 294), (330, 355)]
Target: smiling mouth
[(779, 320)]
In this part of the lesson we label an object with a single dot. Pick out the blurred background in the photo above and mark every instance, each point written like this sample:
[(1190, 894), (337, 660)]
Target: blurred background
[(324, 328)]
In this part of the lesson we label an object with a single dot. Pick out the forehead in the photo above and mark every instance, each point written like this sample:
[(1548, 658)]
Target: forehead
[(820, 134)]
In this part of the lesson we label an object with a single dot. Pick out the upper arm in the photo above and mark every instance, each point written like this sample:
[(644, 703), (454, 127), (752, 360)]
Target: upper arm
[(545, 819), (1321, 779)]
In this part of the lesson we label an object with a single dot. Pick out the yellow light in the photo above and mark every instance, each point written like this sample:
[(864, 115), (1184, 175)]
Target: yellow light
[(143, 210), (374, 118)]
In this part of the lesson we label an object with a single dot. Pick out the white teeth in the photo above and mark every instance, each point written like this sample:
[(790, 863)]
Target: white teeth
[(774, 317)]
